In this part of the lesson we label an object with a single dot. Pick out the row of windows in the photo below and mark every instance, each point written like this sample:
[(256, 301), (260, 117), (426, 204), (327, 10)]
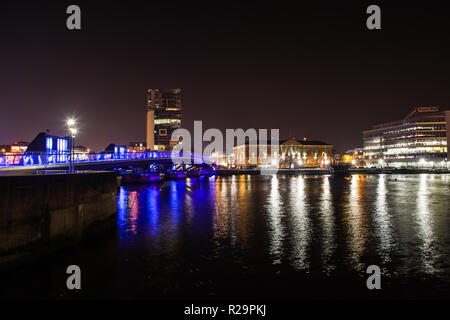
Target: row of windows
[(62, 145)]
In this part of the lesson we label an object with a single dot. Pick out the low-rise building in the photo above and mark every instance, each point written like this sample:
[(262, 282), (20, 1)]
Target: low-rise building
[(290, 153), (353, 157), (304, 153), (136, 147)]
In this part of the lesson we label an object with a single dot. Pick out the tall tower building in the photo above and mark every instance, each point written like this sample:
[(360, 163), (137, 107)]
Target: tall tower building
[(164, 114)]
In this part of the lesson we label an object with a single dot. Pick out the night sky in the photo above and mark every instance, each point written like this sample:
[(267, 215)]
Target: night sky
[(313, 71)]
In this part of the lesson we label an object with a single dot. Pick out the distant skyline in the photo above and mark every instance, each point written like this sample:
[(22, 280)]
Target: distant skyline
[(312, 71)]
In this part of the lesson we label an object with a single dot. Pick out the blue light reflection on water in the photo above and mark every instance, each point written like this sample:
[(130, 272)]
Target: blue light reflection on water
[(316, 224), (261, 235)]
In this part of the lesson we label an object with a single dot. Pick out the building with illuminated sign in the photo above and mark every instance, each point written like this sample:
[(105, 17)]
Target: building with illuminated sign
[(164, 115), (420, 139), (16, 147)]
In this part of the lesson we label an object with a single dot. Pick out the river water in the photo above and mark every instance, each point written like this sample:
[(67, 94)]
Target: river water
[(274, 237)]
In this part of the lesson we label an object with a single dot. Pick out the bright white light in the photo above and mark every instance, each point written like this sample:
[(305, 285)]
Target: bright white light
[(381, 161), (71, 122), (73, 131), (300, 162)]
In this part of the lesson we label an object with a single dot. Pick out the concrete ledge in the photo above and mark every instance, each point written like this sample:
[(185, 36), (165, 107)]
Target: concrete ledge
[(43, 213)]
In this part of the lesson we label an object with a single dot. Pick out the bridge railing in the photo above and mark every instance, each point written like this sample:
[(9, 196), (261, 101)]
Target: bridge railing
[(41, 158)]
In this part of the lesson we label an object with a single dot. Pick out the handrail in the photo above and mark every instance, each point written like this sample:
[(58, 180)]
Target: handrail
[(10, 159)]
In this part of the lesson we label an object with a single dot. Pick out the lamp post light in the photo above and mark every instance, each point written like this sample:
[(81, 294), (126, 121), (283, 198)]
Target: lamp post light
[(73, 132)]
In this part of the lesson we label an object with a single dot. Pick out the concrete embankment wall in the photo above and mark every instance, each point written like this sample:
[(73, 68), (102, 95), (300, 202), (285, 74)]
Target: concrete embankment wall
[(42, 213)]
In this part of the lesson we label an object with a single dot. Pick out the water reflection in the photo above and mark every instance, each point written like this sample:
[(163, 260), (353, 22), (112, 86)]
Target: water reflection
[(300, 240), (383, 222), (276, 232), (424, 221), (153, 209), (354, 218), (221, 237), (128, 207), (328, 225), (302, 223)]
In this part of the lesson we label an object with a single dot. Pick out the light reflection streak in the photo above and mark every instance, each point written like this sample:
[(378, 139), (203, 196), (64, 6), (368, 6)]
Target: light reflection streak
[(153, 208), (174, 196), (300, 224), (355, 222), (276, 234), (244, 219), (226, 212), (424, 221), (188, 201), (328, 221), (383, 221), (133, 205)]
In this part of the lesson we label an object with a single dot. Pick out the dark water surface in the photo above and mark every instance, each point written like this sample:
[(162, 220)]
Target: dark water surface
[(279, 236)]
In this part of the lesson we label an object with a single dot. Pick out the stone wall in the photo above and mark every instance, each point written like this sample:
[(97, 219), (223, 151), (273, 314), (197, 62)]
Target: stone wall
[(42, 213)]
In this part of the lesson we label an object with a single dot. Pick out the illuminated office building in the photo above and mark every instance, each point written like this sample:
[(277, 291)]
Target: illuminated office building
[(421, 139), (164, 114)]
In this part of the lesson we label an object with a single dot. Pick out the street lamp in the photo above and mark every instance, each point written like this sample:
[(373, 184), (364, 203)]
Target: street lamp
[(73, 132), (71, 123)]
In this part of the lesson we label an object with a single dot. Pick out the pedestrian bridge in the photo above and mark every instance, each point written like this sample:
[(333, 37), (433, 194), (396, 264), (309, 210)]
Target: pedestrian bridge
[(152, 161)]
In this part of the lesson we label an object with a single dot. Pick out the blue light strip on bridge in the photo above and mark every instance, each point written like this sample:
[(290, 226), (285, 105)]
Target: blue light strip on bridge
[(42, 158)]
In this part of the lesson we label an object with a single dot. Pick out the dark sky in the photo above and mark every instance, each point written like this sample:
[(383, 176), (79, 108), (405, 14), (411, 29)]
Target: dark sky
[(313, 71)]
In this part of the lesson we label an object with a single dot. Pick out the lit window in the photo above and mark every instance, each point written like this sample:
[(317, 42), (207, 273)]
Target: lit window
[(49, 143), (168, 121)]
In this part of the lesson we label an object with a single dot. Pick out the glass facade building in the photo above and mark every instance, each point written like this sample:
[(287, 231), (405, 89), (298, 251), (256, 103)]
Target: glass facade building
[(164, 115), (421, 139)]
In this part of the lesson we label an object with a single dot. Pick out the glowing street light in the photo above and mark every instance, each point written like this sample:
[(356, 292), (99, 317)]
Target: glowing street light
[(71, 123), (73, 132)]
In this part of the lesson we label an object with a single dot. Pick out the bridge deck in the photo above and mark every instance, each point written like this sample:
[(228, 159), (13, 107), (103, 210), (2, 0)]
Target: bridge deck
[(25, 164)]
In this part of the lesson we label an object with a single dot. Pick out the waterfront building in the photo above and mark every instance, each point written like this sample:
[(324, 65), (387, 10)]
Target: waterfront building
[(249, 155), (291, 153), (12, 151), (304, 153), (81, 149), (16, 147), (164, 115), (136, 147), (419, 140), (53, 146), (118, 149), (353, 157)]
